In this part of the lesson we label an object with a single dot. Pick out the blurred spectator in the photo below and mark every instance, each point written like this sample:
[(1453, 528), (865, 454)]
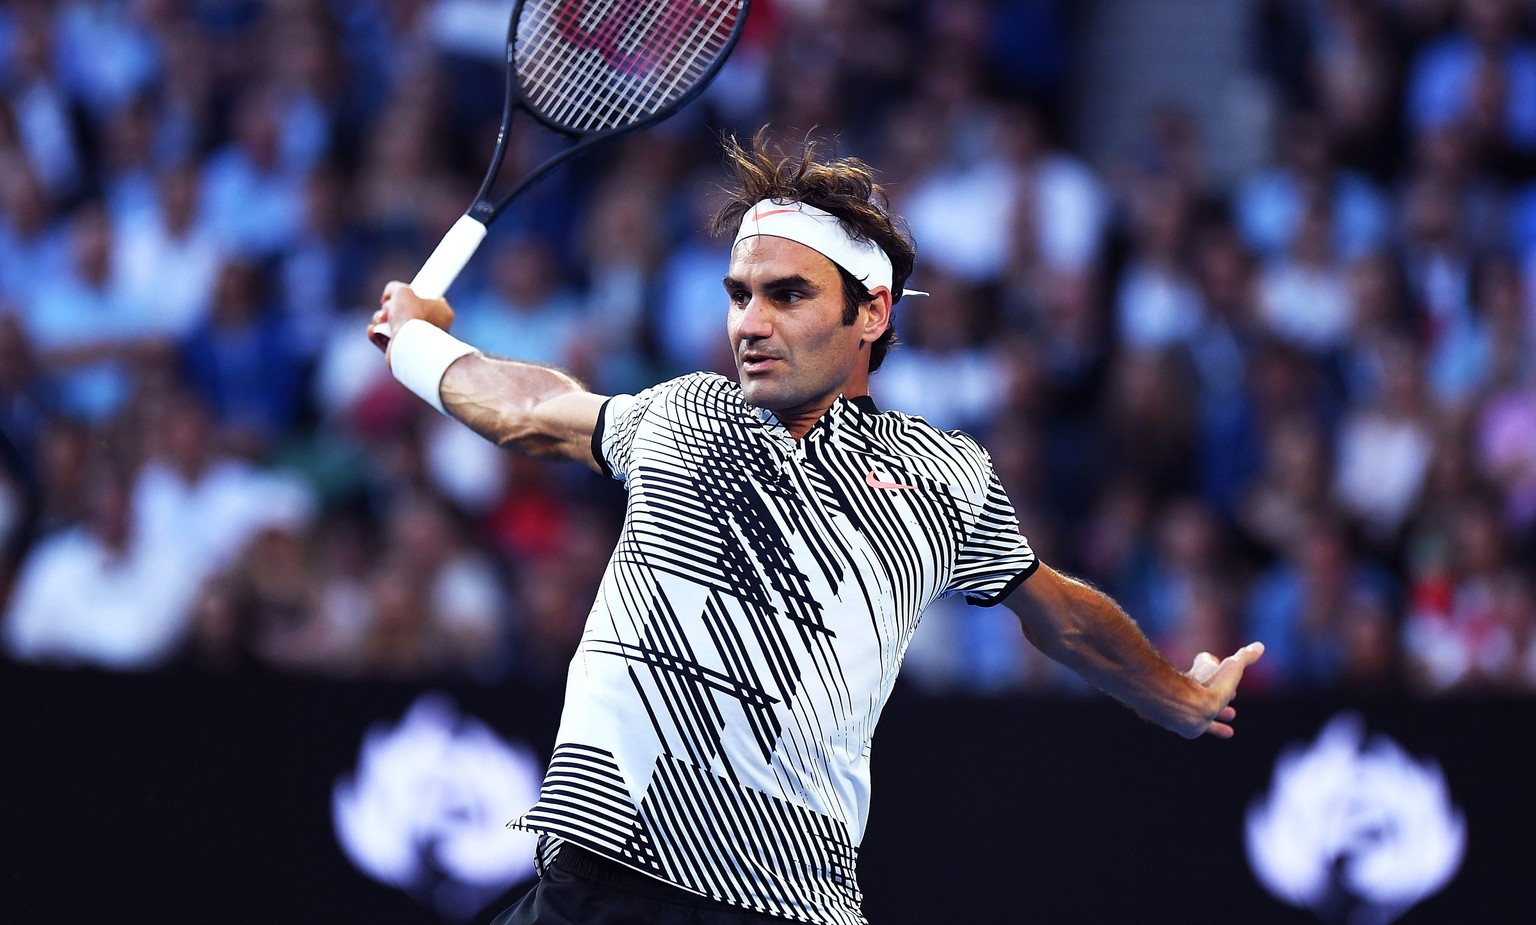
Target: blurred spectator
[(253, 188), (975, 650), (166, 260), (1013, 197), (1158, 302), (622, 246), (1220, 352), (1469, 613), (107, 54), (102, 594), (462, 606), (1356, 68), (185, 98), (193, 497), (24, 405), (1384, 449), (326, 270), (1030, 48), (34, 242), (1463, 364), (287, 602), (944, 339), (23, 420), (689, 323), (1208, 621), (244, 358), (1349, 215), (127, 173), (402, 166), (1382, 317), (1506, 450), (555, 591), (528, 312), (530, 519), (1481, 77), (1304, 292), (1148, 423), (1291, 489), (1307, 606), (48, 121), (1175, 591), (1060, 207), (84, 327), (300, 55)]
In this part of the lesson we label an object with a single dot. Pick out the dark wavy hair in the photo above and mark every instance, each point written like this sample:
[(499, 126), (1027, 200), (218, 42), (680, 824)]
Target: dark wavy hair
[(843, 186)]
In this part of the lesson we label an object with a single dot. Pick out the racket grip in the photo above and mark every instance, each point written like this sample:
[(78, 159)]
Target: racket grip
[(444, 266)]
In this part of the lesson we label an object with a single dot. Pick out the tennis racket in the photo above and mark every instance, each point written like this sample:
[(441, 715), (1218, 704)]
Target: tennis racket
[(591, 70)]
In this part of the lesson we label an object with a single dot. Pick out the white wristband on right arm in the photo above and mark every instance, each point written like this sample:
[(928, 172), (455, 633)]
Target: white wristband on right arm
[(420, 353)]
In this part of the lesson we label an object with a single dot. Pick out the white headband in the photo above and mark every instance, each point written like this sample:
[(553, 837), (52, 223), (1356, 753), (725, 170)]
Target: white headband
[(822, 232)]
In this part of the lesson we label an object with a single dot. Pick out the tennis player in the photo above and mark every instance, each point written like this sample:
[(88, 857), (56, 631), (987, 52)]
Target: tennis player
[(781, 540)]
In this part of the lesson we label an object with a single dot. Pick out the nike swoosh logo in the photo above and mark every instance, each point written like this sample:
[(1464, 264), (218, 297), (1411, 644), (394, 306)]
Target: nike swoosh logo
[(873, 482)]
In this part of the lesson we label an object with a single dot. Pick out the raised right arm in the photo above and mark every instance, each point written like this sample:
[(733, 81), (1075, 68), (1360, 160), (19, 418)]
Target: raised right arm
[(534, 409)]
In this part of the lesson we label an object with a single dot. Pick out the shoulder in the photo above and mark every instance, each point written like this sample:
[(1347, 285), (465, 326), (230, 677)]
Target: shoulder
[(697, 391), (912, 436)]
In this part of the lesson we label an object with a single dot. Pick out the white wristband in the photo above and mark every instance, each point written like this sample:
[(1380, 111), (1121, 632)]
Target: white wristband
[(420, 353)]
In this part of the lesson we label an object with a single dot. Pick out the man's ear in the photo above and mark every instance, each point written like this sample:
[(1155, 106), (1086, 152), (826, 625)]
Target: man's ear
[(875, 315)]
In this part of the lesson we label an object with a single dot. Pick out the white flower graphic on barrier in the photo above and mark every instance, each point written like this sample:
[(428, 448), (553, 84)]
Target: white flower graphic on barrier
[(1355, 830), (426, 809)]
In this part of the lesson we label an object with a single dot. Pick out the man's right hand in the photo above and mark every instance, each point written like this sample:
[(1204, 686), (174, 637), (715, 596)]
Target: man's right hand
[(398, 305)]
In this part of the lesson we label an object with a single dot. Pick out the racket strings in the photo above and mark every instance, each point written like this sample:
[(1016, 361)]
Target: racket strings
[(607, 83), (605, 64), (602, 95)]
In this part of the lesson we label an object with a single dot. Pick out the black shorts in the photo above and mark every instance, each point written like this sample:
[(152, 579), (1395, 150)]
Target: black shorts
[(580, 888)]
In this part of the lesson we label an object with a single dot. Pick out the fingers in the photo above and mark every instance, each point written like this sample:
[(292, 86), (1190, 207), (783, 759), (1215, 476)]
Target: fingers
[(1250, 653), (381, 322), (1231, 669), (381, 316), (1223, 682), (1204, 668)]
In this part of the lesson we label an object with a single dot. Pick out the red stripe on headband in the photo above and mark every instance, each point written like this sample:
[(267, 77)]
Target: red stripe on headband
[(759, 216)]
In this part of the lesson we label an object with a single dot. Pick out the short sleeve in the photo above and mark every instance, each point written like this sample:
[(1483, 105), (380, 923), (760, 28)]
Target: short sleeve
[(620, 420), (614, 435), (995, 558)]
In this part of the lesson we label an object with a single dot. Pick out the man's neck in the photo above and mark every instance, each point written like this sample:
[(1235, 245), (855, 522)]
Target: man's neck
[(800, 421)]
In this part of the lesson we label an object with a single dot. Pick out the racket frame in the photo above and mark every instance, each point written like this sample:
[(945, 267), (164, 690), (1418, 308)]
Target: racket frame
[(464, 237)]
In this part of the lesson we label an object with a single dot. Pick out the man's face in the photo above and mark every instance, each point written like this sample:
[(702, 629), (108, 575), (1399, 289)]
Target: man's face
[(793, 351)]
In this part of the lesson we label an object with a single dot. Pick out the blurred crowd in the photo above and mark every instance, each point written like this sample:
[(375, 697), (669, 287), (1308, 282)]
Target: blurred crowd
[(1296, 405)]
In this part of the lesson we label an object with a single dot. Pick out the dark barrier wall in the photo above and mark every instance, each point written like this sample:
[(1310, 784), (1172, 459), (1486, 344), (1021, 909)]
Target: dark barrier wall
[(193, 799)]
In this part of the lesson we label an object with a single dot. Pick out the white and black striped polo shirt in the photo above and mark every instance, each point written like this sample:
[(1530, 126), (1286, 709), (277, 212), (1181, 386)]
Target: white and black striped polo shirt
[(719, 711)]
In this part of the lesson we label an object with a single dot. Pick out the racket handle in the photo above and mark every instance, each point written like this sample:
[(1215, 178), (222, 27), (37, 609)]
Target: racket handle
[(444, 266)]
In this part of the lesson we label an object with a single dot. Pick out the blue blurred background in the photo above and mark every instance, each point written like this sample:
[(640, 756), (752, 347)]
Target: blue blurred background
[(1238, 293)]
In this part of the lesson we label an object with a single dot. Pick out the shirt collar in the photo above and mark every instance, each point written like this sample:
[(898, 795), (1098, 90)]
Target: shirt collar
[(843, 411)]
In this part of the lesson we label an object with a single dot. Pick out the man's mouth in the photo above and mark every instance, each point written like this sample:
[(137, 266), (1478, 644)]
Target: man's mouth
[(756, 362)]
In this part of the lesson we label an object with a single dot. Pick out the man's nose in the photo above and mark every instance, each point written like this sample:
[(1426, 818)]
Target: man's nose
[(756, 320)]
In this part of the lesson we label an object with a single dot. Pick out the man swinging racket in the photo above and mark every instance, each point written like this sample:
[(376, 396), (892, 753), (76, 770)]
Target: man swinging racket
[(781, 539)]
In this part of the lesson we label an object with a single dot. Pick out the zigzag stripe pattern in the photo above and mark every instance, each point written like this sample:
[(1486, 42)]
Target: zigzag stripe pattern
[(748, 632)]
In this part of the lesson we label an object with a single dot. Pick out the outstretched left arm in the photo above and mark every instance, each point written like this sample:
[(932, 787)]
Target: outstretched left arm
[(1084, 629)]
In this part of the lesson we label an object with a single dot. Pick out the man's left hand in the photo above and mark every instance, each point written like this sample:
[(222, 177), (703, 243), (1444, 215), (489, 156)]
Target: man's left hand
[(1221, 679)]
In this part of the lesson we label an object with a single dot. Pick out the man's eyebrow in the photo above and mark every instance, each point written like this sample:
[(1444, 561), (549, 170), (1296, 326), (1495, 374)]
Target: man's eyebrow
[(792, 281)]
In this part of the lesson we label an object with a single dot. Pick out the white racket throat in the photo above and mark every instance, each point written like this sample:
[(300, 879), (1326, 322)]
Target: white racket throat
[(419, 357), (448, 260), (444, 266)]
